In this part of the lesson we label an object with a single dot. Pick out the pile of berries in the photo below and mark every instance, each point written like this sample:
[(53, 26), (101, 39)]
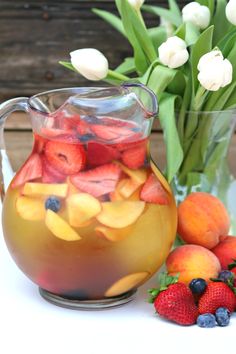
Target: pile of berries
[(205, 304)]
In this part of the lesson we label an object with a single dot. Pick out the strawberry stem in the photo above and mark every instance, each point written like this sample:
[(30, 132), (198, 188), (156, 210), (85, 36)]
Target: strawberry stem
[(164, 281)]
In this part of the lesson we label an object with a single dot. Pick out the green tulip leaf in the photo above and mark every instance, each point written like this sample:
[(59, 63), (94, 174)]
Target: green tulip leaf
[(160, 77), (192, 33), (157, 35), (166, 14), (127, 67), (181, 31), (167, 118), (220, 21), (174, 8), (110, 18)]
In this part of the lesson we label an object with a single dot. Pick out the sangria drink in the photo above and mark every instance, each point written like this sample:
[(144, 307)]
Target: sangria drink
[(89, 216)]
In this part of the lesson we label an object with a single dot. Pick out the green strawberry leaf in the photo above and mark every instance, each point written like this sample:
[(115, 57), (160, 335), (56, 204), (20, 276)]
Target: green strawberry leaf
[(232, 265), (164, 281)]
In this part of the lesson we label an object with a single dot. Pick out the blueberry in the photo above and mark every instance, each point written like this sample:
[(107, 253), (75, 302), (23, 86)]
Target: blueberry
[(198, 286), (225, 275), (53, 204), (86, 137), (222, 316), (206, 320)]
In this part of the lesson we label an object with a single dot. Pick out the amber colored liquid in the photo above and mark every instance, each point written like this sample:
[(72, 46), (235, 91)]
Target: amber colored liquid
[(87, 268)]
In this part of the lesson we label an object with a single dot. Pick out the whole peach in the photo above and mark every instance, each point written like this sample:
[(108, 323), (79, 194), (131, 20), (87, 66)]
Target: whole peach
[(192, 261), (225, 251), (202, 220)]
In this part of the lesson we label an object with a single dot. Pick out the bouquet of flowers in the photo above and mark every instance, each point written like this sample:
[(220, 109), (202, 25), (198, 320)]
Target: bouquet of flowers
[(189, 61)]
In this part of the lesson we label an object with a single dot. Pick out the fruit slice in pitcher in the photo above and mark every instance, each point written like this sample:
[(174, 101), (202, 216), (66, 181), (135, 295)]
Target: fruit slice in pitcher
[(50, 174), (37, 189), (121, 213), (98, 181), (113, 235), (138, 176), (59, 227), (66, 158), (81, 208), (126, 283), (30, 208), (153, 192), (134, 158), (100, 154), (31, 170)]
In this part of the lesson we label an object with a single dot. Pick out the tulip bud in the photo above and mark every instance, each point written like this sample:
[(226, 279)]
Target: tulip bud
[(231, 11), (197, 14), (214, 71), (90, 63), (173, 52), (136, 3)]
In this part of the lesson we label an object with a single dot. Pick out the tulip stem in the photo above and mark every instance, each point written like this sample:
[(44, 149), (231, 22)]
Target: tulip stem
[(199, 98), (117, 76)]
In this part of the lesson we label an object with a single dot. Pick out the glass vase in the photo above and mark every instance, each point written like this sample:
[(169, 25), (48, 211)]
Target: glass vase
[(208, 165)]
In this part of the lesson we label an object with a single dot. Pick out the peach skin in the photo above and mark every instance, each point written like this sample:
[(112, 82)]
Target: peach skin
[(202, 220), (226, 251), (192, 261)]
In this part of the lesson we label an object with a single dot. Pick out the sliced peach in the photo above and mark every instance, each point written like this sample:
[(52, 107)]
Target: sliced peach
[(37, 189), (30, 208), (128, 187), (81, 208), (116, 195), (126, 283), (160, 177), (120, 214), (139, 175), (71, 188), (60, 228), (113, 235)]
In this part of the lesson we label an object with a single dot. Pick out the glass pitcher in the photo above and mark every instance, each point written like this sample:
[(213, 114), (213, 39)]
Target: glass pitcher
[(88, 217)]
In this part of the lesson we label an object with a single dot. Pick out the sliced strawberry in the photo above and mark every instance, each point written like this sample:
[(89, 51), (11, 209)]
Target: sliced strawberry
[(110, 133), (53, 132), (50, 174), (100, 154), (131, 144), (153, 192), (39, 143), (83, 128), (134, 158), (70, 122), (64, 157), (31, 170), (98, 181)]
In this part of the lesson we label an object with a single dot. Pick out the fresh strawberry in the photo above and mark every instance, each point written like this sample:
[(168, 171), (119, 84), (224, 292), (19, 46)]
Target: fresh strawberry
[(70, 122), (39, 143), (217, 294), (110, 133), (64, 157), (153, 191), (50, 174), (134, 158), (100, 154), (131, 144), (98, 181), (83, 128), (175, 302), (54, 132), (31, 170)]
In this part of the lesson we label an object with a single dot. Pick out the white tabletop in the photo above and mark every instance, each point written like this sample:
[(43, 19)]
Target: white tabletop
[(30, 325)]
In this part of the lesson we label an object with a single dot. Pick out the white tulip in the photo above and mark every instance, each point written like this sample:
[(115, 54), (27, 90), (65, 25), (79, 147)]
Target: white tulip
[(136, 3), (173, 52), (231, 11), (197, 14), (214, 71), (90, 63)]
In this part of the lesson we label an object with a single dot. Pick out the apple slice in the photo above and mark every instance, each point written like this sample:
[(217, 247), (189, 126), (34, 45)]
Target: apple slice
[(37, 189), (82, 207), (138, 176), (121, 213), (126, 283), (71, 188), (60, 228), (30, 208)]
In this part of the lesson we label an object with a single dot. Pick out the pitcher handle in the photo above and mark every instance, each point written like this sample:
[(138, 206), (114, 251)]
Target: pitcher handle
[(6, 108), (146, 96)]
